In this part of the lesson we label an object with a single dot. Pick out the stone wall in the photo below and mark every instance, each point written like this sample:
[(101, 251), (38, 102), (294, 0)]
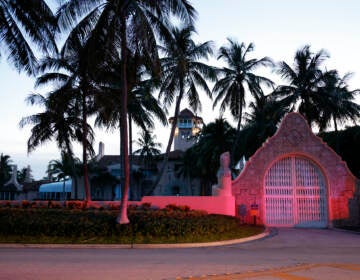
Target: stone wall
[(222, 205), (295, 138)]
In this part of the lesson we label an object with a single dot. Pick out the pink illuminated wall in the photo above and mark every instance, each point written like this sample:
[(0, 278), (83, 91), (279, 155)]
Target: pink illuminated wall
[(224, 205), (294, 142), (212, 204), (294, 138)]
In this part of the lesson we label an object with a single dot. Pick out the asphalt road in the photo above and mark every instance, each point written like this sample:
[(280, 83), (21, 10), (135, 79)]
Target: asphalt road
[(289, 248)]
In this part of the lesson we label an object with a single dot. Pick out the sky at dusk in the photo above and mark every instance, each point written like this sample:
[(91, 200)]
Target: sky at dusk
[(277, 28)]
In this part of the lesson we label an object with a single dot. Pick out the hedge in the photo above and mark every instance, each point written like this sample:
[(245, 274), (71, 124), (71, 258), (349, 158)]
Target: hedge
[(147, 226)]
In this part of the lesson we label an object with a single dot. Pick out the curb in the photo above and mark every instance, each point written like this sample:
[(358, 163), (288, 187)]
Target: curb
[(265, 234)]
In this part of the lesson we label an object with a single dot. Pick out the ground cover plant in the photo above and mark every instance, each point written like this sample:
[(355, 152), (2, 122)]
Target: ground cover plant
[(52, 223)]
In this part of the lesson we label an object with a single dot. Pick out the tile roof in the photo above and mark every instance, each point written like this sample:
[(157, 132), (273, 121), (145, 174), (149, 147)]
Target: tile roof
[(115, 159)]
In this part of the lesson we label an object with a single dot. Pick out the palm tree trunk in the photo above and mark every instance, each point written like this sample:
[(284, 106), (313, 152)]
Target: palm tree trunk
[(307, 113), (84, 146), (74, 178), (236, 142), (171, 139), (132, 190), (337, 144), (335, 124), (69, 151), (123, 218)]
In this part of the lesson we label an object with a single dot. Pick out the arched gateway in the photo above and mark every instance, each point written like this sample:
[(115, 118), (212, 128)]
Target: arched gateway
[(294, 179), (295, 194)]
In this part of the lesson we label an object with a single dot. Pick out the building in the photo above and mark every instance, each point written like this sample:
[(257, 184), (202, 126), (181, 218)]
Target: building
[(27, 190), (60, 190), (296, 180), (188, 125), (105, 176)]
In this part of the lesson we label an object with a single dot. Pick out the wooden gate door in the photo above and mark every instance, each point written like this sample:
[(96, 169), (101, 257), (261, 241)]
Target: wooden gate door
[(295, 194)]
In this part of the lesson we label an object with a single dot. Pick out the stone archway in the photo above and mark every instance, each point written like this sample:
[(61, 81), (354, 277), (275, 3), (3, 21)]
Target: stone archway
[(295, 194), (329, 185)]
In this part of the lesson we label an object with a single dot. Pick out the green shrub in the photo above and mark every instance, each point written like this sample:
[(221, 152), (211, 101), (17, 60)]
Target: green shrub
[(147, 226)]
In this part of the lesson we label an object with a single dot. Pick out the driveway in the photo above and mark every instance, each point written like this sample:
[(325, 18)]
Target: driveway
[(290, 254)]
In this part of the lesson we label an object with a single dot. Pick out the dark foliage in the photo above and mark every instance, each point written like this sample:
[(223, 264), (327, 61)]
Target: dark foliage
[(202, 160), (171, 223), (346, 144)]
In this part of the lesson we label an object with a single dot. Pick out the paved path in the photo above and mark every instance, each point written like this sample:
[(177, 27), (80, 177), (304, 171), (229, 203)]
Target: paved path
[(292, 254), (297, 272)]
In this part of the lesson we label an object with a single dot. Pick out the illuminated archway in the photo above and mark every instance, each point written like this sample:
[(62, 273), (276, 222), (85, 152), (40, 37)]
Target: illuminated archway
[(295, 194), (316, 181)]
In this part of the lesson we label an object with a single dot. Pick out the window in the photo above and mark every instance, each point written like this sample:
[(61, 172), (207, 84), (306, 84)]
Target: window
[(7, 196), (185, 123)]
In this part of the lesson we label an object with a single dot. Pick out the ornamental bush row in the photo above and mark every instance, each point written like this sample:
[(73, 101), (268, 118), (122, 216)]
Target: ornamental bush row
[(80, 204), (146, 225)]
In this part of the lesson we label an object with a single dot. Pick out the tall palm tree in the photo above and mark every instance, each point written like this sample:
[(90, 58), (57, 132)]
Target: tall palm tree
[(60, 121), (238, 78), (338, 103), (23, 23), (5, 168), (305, 79), (69, 70), (123, 24), (148, 147), (183, 73), (142, 106)]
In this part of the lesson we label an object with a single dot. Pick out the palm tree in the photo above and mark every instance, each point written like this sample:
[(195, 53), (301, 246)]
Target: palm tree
[(148, 147), (60, 121), (261, 122), (123, 24), (338, 103), (148, 151), (5, 168), (142, 105), (305, 79), (238, 78), (70, 68), (183, 73), (22, 23), (214, 139), (61, 170), (21, 175)]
